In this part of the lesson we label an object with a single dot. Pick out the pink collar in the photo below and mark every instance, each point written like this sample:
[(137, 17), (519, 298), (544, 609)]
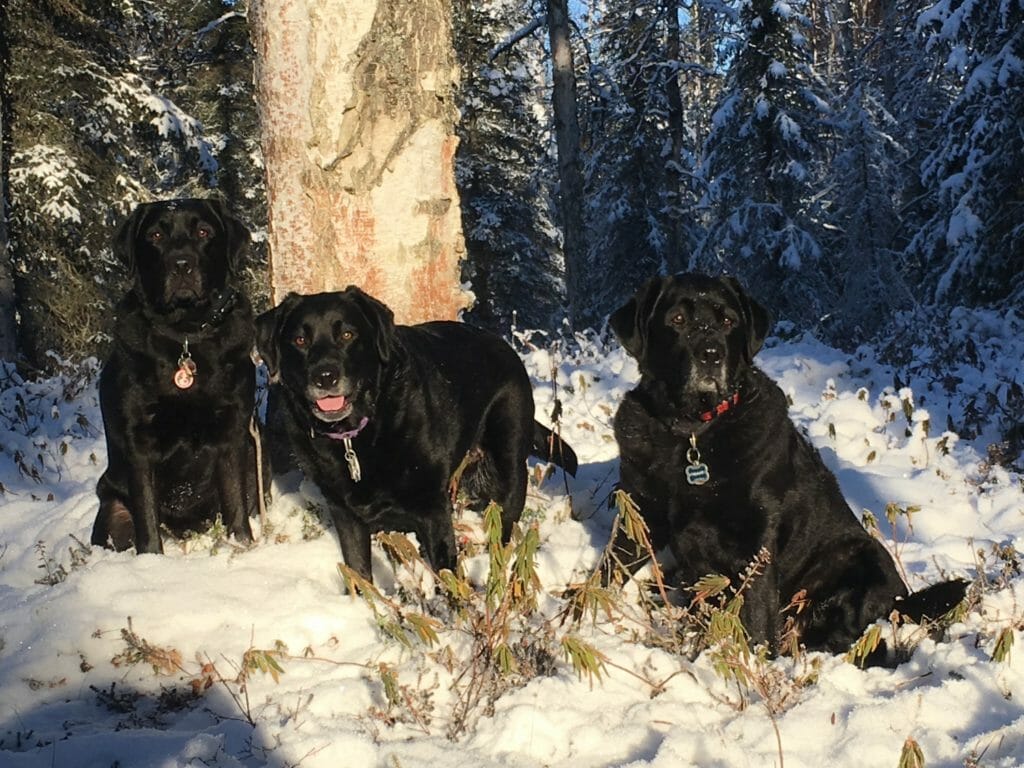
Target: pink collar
[(350, 434)]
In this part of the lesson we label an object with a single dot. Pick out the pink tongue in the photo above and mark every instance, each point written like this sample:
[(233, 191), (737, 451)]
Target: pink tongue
[(331, 403)]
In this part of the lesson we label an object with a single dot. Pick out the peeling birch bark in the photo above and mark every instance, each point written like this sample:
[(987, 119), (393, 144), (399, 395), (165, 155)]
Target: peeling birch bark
[(358, 130)]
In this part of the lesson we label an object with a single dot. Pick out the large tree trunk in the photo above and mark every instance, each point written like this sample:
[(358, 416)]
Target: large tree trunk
[(357, 110), (570, 170)]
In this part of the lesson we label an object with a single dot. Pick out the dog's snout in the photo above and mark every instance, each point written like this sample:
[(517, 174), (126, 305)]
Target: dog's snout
[(325, 377), (183, 266), (711, 354)]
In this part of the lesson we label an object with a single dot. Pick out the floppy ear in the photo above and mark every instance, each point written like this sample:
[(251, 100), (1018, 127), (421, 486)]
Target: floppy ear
[(268, 334), (631, 321), (755, 317), (235, 232), (127, 233), (381, 318)]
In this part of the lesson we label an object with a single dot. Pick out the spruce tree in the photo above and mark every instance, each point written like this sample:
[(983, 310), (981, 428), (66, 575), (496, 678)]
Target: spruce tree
[(763, 166), (504, 168), (970, 249)]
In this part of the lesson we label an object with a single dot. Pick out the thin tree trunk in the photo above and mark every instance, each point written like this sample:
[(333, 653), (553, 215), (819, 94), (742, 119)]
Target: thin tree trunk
[(570, 171), (675, 256), (8, 326), (357, 114)]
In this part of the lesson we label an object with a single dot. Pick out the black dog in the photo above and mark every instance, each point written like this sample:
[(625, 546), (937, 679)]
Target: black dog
[(381, 417), (719, 472), (177, 391)]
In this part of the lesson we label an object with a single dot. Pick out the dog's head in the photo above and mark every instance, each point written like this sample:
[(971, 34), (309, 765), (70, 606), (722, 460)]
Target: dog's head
[(328, 350), (181, 253), (694, 334)]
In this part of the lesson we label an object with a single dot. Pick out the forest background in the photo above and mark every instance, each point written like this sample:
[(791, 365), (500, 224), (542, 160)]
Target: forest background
[(859, 165)]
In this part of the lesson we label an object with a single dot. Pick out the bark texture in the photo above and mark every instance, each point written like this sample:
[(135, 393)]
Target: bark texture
[(570, 166), (358, 114)]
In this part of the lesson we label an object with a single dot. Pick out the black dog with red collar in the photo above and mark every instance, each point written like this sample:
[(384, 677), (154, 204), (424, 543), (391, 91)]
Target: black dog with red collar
[(720, 473)]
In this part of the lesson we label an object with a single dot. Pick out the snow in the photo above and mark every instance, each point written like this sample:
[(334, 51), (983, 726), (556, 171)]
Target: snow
[(74, 619), (57, 175)]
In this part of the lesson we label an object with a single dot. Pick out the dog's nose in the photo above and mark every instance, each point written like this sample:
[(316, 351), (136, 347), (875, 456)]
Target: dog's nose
[(711, 354), (325, 378), (183, 267)]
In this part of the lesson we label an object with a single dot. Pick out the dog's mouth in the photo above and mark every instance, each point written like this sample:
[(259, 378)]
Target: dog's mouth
[(709, 380), (332, 408), (708, 386), (181, 296)]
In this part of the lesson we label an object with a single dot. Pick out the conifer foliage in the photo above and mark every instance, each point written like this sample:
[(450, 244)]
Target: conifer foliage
[(858, 166), (971, 248), (763, 158), (111, 104)]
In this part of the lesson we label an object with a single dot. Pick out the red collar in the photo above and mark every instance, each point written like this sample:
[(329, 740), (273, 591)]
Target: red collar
[(722, 407)]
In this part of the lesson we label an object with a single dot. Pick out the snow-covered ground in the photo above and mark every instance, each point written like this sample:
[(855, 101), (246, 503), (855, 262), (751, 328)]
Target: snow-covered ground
[(215, 656)]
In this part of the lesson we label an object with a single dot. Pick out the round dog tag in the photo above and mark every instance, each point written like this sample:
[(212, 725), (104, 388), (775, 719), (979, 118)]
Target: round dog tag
[(184, 378)]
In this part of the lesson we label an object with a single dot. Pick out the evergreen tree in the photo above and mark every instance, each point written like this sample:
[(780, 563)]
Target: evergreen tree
[(112, 104), (504, 168), (969, 252), (763, 168), (865, 185), (643, 134)]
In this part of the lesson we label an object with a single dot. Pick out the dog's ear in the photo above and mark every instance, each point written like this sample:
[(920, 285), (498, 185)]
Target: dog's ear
[(127, 234), (631, 321), (236, 234), (268, 334), (755, 317), (381, 319)]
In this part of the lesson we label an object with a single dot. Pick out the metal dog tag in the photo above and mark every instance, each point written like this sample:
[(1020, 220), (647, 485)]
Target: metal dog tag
[(185, 376), (697, 473), (354, 470)]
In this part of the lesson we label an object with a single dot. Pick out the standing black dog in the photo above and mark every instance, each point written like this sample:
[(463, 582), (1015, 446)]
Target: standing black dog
[(177, 391), (719, 471), (381, 417)]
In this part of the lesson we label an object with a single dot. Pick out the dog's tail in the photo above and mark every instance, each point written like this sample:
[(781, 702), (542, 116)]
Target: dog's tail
[(548, 446), (932, 602)]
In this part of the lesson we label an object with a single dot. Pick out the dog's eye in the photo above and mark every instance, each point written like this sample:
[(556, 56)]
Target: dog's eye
[(203, 232), (155, 236), (347, 335), (299, 341), (727, 321), (678, 319)]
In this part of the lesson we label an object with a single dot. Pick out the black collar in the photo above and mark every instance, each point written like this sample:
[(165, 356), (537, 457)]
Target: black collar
[(223, 303)]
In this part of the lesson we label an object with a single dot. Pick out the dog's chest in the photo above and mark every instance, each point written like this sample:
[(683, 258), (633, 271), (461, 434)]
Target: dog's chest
[(159, 408), (388, 486)]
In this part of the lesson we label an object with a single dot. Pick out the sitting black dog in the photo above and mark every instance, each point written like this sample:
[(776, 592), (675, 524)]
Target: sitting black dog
[(718, 471), (177, 391), (381, 417)]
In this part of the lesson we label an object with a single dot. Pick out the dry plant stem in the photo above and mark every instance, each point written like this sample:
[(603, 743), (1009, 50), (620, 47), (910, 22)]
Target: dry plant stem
[(261, 502), (241, 701)]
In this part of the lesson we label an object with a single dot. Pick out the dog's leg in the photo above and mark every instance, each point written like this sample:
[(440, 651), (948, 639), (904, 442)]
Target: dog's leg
[(114, 524), (233, 484), (507, 440), (760, 611), (437, 539), (145, 510), (354, 538)]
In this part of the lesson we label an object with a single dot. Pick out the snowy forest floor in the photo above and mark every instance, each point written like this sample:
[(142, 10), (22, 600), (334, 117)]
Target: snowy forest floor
[(218, 656)]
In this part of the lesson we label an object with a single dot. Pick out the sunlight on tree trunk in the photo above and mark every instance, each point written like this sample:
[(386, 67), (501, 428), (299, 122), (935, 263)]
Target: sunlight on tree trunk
[(357, 109), (570, 171)]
